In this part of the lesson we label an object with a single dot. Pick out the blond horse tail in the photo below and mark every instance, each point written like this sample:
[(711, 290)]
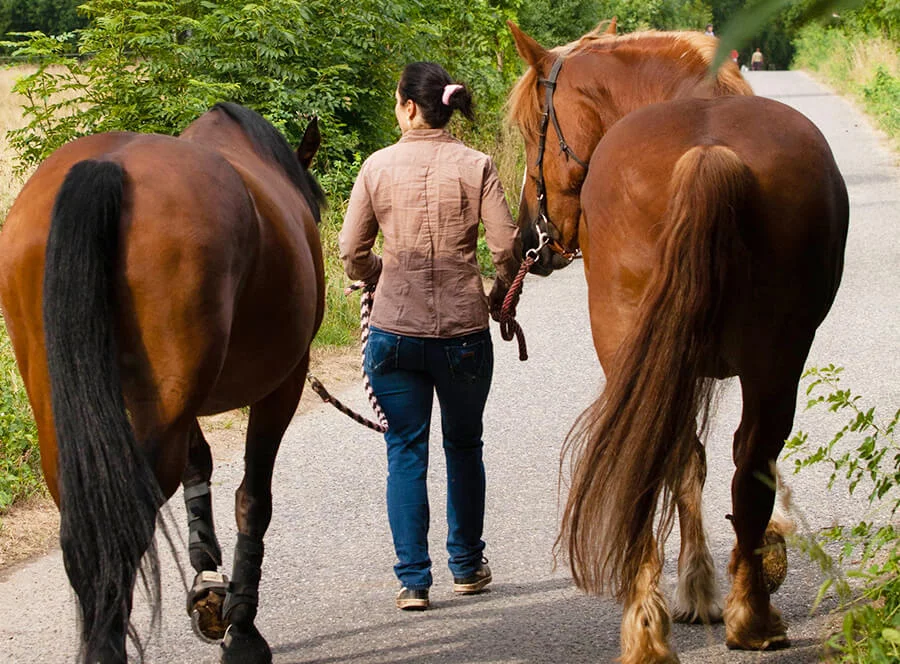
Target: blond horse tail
[(633, 443)]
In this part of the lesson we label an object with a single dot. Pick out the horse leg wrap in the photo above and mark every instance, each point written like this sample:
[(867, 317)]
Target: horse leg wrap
[(244, 586), (203, 547)]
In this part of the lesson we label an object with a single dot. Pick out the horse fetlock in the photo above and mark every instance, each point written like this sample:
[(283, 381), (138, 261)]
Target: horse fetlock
[(749, 629), (645, 630), (245, 646), (697, 597), (752, 623)]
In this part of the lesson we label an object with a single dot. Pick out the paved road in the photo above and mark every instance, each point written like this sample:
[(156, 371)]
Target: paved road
[(327, 591)]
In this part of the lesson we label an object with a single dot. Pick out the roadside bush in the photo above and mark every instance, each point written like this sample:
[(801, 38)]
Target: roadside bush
[(858, 59), (864, 569), (20, 473)]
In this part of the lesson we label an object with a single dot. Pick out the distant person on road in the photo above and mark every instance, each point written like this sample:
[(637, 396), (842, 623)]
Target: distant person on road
[(756, 60), (429, 327), (709, 30), (734, 56)]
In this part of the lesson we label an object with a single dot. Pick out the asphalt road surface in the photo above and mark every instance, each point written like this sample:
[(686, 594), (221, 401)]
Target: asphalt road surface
[(327, 593)]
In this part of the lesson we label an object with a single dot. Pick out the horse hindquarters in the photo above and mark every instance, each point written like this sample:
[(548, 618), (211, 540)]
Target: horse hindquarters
[(635, 443), (109, 497)]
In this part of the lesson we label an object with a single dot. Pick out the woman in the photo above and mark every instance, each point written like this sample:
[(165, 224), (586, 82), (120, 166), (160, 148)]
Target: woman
[(429, 325)]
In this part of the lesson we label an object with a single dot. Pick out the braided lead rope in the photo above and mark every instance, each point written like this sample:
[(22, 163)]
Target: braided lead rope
[(365, 311), (319, 389), (367, 298), (509, 326)]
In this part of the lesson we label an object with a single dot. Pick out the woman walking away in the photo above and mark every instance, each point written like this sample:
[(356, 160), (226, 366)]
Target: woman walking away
[(429, 325)]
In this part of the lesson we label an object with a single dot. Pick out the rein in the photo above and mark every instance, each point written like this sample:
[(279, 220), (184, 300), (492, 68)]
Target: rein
[(543, 224), (365, 310)]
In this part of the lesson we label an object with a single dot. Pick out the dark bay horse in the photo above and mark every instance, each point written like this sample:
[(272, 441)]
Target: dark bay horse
[(146, 280), (712, 224)]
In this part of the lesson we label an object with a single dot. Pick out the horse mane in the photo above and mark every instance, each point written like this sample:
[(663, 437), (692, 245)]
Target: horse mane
[(694, 50), (270, 144)]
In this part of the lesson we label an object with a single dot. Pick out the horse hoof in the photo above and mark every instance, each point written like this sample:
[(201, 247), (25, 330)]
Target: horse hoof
[(694, 617), (204, 604), (778, 642), (240, 647)]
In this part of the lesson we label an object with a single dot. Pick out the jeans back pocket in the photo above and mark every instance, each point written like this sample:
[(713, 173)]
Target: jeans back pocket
[(470, 360), (381, 352)]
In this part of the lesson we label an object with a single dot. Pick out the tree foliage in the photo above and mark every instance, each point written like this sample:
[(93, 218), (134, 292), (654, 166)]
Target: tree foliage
[(155, 65), (49, 16)]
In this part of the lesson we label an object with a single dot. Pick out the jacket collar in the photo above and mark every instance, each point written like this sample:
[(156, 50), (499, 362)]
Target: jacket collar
[(427, 135)]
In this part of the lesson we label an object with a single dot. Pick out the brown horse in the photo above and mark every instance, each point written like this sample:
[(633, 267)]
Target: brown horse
[(713, 227), (146, 280)]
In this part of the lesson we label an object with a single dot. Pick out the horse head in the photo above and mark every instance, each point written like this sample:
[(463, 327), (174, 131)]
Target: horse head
[(558, 125), (572, 94)]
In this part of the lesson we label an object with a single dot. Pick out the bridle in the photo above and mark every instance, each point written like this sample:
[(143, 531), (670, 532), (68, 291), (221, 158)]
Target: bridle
[(543, 223)]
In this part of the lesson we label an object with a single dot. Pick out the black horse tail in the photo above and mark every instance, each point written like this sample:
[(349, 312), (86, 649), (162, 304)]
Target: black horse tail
[(109, 496)]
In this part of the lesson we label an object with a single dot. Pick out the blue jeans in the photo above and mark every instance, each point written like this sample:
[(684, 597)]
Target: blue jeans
[(405, 372)]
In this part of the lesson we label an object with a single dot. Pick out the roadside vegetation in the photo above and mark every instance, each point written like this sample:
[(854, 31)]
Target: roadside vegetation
[(858, 54), (860, 562)]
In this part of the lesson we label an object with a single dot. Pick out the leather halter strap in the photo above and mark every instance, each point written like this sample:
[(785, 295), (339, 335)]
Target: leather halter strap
[(543, 222)]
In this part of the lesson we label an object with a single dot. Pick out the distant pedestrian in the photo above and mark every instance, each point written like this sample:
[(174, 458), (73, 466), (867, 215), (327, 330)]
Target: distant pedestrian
[(756, 60), (734, 56), (709, 30)]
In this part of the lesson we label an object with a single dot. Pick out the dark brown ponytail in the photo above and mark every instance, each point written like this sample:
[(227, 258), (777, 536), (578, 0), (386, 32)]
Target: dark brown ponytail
[(426, 83)]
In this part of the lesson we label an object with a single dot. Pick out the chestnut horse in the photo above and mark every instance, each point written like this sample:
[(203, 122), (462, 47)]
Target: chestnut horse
[(146, 280), (712, 225)]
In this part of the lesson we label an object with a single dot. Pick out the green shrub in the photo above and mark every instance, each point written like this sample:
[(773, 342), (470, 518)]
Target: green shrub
[(859, 57), (864, 455), (20, 472)]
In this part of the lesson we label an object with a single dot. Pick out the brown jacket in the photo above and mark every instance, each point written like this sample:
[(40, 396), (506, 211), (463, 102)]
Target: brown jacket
[(427, 193)]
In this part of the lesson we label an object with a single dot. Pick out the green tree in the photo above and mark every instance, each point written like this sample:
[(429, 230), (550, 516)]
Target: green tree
[(48, 16)]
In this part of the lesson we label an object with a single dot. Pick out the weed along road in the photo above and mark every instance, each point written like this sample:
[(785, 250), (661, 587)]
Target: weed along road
[(328, 588)]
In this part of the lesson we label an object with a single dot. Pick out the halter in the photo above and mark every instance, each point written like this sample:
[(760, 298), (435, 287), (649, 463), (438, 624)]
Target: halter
[(543, 223)]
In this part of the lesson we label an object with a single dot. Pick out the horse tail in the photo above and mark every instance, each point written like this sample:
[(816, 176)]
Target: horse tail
[(109, 496), (631, 447)]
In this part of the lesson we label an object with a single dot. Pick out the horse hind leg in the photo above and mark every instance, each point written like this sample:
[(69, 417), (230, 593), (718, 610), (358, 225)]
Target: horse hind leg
[(751, 622), (206, 597), (269, 419), (645, 621), (697, 597)]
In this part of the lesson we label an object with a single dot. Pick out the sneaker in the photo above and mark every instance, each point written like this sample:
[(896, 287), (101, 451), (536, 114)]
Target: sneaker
[(474, 582), (410, 599)]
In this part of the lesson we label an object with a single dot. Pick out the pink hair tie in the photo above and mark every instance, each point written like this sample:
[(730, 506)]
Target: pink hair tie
[(448, 92)]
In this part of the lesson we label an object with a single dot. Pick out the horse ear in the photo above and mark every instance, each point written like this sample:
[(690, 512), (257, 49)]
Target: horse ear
[(529, 50), (611, 28), (312, 139)]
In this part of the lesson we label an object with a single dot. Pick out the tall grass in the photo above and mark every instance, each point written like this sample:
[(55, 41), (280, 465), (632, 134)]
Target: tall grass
[(20, 475), (863, 66)]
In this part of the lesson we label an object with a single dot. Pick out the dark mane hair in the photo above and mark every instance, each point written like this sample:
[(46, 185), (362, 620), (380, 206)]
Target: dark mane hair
[(270, 144)]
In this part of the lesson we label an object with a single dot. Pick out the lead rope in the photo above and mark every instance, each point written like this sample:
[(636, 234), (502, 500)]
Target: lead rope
[(365, 310), (509, 326)]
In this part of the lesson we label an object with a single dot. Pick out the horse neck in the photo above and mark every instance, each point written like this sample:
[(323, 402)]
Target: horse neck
[(625, 86)]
